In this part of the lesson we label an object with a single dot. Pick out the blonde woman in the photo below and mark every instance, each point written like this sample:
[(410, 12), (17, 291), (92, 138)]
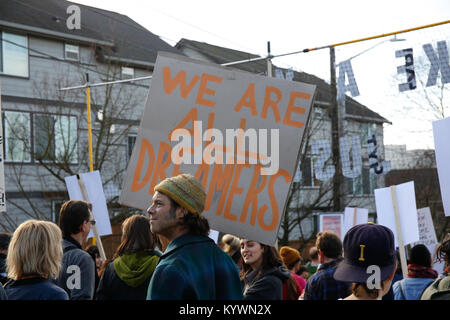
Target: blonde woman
[(34, 258)]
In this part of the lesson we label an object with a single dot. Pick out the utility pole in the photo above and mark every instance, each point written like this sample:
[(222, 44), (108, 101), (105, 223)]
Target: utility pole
[(269, 61), (336, 129)]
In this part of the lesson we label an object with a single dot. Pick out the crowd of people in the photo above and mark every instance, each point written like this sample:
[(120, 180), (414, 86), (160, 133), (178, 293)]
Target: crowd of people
[(169, 256)]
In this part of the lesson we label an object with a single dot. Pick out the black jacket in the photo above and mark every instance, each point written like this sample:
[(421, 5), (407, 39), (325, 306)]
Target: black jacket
[(3, 278), (112, 287), (267, 286)]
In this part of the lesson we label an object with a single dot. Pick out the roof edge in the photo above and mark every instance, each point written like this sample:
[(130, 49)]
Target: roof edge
[(62, 35)]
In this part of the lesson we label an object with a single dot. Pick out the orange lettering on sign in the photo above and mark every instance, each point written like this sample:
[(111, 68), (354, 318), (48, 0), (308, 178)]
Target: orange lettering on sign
[(251, 199), (291, 108), (204, 90), (192, 115), (179, 80), (234, 190), (220, 180), (269, 103), (248, 100), (273, 202), (146, 148), (161, 165)]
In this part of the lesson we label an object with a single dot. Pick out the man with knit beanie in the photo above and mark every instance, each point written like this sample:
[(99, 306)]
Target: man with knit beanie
[(192, 266)]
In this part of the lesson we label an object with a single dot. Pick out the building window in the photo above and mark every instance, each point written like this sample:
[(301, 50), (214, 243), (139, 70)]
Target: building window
[(56, 208), (71, 52), (55, 138), (127, 73), (307, 174), (367, 130), (130, 145), (17, 136), (13, 54), (365, 184)]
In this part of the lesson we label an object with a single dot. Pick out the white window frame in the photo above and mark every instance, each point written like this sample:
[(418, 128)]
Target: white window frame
[(70, 48), (6, 140), (127, 73), (2, 55), (131, 135), (75, 161)]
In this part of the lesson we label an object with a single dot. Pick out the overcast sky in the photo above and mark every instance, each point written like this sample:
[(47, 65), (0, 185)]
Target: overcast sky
[(295, 25)]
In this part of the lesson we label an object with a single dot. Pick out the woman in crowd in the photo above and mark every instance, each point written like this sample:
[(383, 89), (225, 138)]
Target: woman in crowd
[(292, 260), (232, 246), (420, 275), (127, 277), (34, 258), (263, 273)]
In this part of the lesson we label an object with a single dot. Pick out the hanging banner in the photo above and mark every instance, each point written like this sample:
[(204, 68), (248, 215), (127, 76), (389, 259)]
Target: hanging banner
[(346, 72), (322, 170), (350, 169), (228, 128), (408, 68)]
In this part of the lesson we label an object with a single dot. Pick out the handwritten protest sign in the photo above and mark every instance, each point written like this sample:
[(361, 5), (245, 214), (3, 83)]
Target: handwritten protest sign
[(94, 190), (332, 222), (228, 128), (441, 132), (427, 234)]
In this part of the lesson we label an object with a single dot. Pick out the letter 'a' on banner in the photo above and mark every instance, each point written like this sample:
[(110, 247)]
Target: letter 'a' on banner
[(441, 133), (238, 133)]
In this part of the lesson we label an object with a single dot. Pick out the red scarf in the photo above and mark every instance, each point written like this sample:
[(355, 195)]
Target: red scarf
[(416, 271)]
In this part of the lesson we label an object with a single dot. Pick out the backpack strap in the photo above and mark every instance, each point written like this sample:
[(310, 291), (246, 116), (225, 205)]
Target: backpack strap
[(401, 289)]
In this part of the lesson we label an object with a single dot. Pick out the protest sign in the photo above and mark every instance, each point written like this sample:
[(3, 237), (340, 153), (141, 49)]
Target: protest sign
[(396, 209), (427, 234), (246, 182), (354, 216), (441, 133), (214, 235), (94, 190), (406, 201), (332, 222)]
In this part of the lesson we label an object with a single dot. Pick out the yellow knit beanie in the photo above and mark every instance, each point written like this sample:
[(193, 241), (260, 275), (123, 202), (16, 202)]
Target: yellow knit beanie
[(185, 190), (289, 255)]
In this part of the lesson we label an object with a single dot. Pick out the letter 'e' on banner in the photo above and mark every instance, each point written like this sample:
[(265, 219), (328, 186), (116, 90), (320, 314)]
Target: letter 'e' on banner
[(238, 133)]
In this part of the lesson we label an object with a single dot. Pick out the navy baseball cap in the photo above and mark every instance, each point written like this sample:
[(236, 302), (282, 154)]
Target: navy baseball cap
[(366, 245)]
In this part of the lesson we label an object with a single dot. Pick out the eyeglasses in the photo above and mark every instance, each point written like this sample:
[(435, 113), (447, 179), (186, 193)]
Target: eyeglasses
[(93, 222)]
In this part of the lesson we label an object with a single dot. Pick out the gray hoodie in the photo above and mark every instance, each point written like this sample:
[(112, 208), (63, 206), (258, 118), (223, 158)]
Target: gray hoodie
[(77, 276)]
